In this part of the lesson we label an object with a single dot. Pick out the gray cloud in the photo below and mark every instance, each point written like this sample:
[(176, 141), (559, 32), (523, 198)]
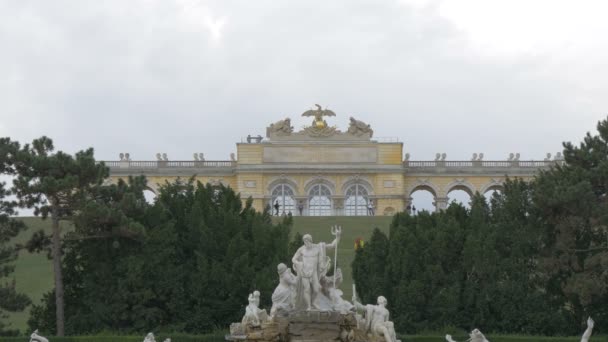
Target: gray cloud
[(150, 75)]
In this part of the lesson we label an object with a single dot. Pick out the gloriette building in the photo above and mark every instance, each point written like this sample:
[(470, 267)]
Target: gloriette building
[(322, 170)]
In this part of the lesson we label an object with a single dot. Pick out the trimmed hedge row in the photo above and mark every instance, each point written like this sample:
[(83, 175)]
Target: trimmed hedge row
[(216, 337), (219, 337), (494, 338)]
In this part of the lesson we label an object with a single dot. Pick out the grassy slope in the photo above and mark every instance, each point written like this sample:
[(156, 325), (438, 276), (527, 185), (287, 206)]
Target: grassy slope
[(33, 272)]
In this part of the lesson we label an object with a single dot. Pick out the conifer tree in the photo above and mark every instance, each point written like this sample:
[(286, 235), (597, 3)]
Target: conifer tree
[(55, 185), (573, 200), (368, 268), (197, 253), (10, 299)]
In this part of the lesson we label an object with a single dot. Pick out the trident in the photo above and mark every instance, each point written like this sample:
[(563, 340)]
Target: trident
[(336, 231)]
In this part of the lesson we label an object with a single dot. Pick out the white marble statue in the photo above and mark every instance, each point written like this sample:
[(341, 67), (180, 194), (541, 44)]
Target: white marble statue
[(588, 331), (254, 316), (34, 337), (284, 296), (477, 336), (331, 288), (474, 336), (150, 338), (376, 319), (311, 264)]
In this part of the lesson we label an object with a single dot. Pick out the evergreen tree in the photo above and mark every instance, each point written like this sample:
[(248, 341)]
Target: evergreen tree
[(10, 299), (424, 266), (56, 185), (368, 267), (107, 227), (522, 303), (464, 268), (199, 254), (416, 268), (573, 200)]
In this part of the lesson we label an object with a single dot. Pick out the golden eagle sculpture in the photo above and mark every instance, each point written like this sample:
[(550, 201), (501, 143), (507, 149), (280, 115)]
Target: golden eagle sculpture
[(319, 113)]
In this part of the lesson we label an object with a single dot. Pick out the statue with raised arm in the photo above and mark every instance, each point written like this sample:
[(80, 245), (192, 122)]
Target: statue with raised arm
[(376, 319), (311, 264), (588, 331)]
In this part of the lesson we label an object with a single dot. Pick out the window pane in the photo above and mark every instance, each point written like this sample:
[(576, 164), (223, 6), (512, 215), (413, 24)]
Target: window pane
[(355, 203), (319, 201), (284, 195)]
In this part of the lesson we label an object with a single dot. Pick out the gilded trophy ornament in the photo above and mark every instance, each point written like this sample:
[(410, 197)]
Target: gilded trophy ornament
[(319, 113), (319, 129)]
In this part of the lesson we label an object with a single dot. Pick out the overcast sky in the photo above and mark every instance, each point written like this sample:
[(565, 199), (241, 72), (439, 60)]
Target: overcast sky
[(454, 76)]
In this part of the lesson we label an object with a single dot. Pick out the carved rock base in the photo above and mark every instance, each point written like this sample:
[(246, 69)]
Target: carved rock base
[(305, 326)]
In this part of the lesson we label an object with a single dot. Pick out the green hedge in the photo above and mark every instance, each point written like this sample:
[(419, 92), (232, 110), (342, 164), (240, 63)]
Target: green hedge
[(494, 338), (101, 338), (219, 337)]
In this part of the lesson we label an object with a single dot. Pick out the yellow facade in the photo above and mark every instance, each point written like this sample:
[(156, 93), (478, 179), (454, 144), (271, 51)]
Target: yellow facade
[(327, 172)]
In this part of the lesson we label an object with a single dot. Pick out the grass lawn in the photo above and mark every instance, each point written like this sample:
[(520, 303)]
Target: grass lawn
[(33, 271)]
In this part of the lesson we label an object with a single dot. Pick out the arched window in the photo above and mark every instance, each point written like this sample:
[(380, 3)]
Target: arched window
[(355, 202), (319, 201), (284, 196)]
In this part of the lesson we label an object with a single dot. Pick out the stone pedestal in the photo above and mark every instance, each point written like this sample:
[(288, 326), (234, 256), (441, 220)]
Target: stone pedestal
[(303, 326)]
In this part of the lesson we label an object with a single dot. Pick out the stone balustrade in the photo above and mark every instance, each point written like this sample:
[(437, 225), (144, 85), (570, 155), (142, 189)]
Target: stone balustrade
[(410, 166), (413, 164), (188, 164)]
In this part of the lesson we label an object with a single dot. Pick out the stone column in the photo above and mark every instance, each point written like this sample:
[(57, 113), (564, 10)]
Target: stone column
[(304, 200), (441, 203), (338, 205)]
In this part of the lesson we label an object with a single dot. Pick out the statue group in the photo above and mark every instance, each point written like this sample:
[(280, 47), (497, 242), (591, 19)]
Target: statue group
[(307, 304), (282, 129)]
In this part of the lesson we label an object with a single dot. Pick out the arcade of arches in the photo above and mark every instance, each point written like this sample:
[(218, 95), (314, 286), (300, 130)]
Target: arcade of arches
[(321, 171)]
